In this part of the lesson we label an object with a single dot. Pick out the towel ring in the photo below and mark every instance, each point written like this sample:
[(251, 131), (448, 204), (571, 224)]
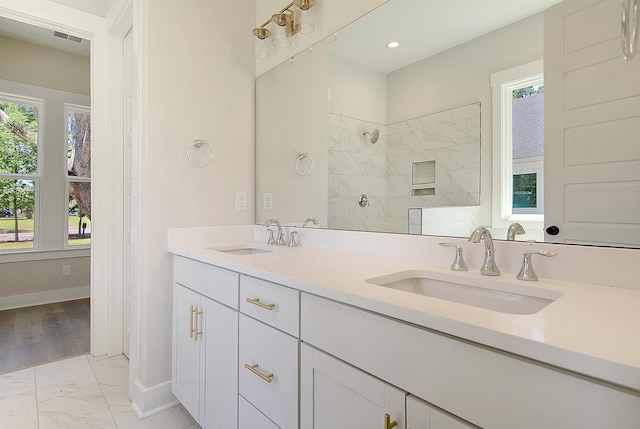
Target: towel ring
[(304, 164), (202, 152)]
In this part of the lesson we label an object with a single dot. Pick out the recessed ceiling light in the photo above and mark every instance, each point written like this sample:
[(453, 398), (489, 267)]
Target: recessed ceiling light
[(392, 45)]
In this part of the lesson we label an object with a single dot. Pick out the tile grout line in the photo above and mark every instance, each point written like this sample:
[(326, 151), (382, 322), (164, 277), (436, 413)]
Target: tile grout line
[(35, 386), (101, 391)]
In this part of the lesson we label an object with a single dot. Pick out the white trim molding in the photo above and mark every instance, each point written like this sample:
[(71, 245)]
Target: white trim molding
[(47, 297)]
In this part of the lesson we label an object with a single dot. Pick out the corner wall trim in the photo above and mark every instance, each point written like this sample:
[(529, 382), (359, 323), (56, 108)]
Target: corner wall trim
[(146, 401), (47, 297)]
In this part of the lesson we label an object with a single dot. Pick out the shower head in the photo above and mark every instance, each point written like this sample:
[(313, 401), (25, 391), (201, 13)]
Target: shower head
[(373, 136)]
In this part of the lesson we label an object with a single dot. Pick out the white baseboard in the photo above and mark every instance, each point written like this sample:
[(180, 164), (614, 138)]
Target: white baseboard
[(48, 297), (146, 401)]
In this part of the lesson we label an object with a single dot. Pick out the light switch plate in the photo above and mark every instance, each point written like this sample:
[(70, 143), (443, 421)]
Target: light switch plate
[(241, 201), (267, 201)]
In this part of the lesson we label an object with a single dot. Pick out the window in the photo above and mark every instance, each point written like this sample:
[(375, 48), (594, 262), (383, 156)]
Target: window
[(518, 146), (20, 152), (78, 128)]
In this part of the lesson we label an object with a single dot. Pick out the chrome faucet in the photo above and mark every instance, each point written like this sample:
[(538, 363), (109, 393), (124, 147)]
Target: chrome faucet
[(310, 219), (489, 267), (280, 241), (526, 272), (514, 229)]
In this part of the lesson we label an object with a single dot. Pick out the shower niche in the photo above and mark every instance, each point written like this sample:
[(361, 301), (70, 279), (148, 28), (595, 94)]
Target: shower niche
[(423, 178)]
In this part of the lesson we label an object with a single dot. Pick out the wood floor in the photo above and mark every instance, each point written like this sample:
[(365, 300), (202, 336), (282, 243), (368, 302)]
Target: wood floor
[(34, 335)]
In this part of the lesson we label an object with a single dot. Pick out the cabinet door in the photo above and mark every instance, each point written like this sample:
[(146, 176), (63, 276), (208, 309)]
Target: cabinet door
[(185, 380), (422, 415), (251, 418), (218, 366), (337, 395)]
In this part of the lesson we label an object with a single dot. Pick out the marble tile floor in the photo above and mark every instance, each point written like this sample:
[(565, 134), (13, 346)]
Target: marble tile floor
[(81, 392)]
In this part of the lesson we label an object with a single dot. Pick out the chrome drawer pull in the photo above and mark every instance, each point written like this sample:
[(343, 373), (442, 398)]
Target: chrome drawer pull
[(254, 369), (257, 302)]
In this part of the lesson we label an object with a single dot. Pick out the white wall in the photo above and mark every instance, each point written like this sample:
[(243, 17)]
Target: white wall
[(197, 82), (460, 76), (291, 118), (357, 91)]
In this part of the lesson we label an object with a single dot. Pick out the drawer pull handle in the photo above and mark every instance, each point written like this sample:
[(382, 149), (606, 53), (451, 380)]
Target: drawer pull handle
[(257, 302), (196, 331), (388, 424), (191, 321), (254, 369)]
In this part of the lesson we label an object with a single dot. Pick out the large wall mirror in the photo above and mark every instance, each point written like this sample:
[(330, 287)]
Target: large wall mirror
[(474, 119)]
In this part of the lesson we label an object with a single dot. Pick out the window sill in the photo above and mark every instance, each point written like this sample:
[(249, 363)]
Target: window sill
[(41, 255)]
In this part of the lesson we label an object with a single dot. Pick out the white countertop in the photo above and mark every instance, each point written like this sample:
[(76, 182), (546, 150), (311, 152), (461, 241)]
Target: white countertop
[(592, 330)]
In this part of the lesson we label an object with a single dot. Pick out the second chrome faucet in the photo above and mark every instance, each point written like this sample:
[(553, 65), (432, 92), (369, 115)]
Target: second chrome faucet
[(489, 267)]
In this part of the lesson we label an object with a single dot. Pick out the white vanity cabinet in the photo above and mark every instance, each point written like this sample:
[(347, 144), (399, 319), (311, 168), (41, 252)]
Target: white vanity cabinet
[(253, 354), (423, 415), (205, 343), (268, 354), (337, 395)]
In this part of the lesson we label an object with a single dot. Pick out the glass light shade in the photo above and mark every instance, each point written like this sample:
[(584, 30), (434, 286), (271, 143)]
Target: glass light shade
[(304, 16), (281, 31), (261, 45)]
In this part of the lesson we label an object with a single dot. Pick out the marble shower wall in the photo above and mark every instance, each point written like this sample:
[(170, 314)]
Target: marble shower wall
[(448, 142), (356, 167), (452, 140)]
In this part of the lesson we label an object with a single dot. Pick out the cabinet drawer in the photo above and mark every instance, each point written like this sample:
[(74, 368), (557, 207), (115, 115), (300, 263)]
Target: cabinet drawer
[(270, 303), (213, 282), (276, 356), (250, 418)]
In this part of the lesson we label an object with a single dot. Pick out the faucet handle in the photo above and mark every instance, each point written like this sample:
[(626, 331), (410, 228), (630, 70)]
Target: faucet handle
[(271, 240), (526, 272), (458, 262), (281, 240), (292, 239)]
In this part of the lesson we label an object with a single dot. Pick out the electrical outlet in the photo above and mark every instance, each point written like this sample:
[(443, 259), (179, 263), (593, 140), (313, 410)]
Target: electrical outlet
[(66, 270), (267, 201), (241, 201)]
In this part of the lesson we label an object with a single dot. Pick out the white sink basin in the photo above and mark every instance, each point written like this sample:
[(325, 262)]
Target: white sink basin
[(502, 296), (240, 249)]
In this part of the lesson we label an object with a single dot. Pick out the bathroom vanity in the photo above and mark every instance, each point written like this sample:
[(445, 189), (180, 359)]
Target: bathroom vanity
[(277, 337)]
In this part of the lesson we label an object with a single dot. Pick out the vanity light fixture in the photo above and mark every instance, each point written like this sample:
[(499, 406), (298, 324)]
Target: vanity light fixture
[(393, 44), (296, 17)]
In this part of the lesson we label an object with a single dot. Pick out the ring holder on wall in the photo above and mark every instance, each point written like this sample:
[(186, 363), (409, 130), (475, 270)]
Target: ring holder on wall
[(200, 153), (304, 164)]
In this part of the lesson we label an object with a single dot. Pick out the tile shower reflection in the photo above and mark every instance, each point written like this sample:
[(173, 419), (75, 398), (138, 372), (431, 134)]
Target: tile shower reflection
[(431, 162)]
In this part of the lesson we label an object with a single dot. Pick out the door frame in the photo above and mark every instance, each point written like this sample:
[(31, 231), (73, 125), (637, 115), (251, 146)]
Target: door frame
[(107, 148)]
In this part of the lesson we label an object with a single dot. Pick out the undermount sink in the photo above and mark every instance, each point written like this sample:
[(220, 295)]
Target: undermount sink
[(240, 249), (505, 297)]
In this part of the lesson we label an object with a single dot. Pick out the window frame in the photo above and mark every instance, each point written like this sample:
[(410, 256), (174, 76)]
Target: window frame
[(70, 107), (502, 86), (37, 177)]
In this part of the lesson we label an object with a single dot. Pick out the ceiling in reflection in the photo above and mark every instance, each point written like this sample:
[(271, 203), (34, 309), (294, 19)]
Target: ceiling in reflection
[(365, 40)]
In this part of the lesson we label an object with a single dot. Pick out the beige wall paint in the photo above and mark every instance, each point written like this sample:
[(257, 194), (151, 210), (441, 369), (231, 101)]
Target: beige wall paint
[(50, 68), (66, 79), (200, 85), (20, 278)]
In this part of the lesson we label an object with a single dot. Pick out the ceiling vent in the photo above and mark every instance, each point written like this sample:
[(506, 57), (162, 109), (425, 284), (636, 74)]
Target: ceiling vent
[(67, 36)]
